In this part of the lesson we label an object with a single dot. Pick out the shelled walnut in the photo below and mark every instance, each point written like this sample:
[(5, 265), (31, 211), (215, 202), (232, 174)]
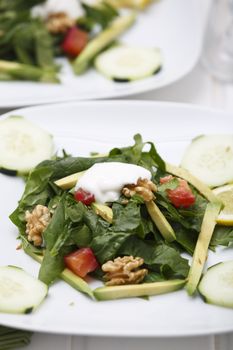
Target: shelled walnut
[(59, 22), (124, 270), (145, 188), (36, 223)]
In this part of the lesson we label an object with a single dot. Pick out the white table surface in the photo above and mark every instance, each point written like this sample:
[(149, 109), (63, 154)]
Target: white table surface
[(196, 88)]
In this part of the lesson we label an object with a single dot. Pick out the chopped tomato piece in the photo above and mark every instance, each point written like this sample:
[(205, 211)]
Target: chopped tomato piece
[(165, 179), (182, 196), (74, 41), (81, 262), (84, 196)]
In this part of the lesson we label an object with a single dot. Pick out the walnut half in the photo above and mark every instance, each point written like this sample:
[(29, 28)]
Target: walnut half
[(144, 188), (125, 270), (36, 223), (59, 22)]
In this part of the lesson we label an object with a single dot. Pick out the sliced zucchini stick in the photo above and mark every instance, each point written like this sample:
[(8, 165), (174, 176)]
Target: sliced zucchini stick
[(20, 293), (68, 276), (138, 290), (105, 38), (23, 145), (19, 71), (216, 285), (201, 249), (104, 211), (69, 181), (135, 4), (124, 63), (160, 221)]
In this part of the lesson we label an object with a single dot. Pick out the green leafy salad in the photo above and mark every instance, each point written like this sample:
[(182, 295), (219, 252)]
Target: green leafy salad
[(34, 33), (138, 244)]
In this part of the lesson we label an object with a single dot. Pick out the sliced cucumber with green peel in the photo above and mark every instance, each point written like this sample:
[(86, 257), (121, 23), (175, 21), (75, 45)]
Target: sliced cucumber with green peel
[(20, 293), (216, 285), (22, 145), (124, 63), (210, 159)]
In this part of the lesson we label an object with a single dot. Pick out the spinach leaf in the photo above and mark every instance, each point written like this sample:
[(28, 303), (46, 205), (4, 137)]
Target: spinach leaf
[(52, 266), (25, 39), (135, 154), (102, 14), (37, 191), (223, 235), (81, 236), (74, 211), (132, 218), (126, 218), (18, 5), (57, 237), (153, 277), (161, 257), (105, 241), (70, 165), (107, 245), (56, 231), (186, 238), (43, 46)]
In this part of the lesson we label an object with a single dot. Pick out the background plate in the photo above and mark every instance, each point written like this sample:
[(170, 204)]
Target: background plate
[(173, 25), (98, 126)]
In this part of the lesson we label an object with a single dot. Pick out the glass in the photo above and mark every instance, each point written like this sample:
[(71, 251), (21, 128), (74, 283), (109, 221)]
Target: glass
[(218, 41)]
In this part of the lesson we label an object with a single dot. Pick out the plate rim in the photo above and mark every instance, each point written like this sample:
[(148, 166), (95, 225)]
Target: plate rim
[(102, 102)]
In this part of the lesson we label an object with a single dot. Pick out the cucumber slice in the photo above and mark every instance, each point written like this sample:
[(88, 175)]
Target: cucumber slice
[(123, 63), (23, 145), (20, 293), (210, 158), (216, 285)]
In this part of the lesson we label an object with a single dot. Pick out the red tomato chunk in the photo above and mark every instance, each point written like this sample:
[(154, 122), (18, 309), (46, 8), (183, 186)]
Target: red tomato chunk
[(74, 41), (84, 196), (81, 262), (182, 196)]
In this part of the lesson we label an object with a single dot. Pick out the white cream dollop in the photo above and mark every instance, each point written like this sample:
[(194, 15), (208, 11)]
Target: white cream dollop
[(72, 8), (106, 180)]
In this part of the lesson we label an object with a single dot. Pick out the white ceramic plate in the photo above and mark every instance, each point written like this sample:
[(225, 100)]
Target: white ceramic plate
[(173, 25), (98, 126)]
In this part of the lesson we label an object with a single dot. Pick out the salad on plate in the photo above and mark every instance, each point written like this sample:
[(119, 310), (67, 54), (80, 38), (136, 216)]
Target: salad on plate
[(35, 33), (137, 224)]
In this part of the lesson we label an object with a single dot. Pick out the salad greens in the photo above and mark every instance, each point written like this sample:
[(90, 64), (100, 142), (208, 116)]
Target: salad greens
[(23, 38), (34, 33), (28, 46), (132, 231), (101, 15)]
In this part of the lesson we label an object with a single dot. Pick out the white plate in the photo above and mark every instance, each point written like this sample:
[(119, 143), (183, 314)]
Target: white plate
[(98, 126), (173, 25)]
